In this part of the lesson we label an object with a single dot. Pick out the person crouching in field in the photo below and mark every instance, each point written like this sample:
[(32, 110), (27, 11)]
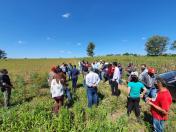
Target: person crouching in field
[(6, 86), (134, 89), (92, 81), (160, 106), (57, 90)]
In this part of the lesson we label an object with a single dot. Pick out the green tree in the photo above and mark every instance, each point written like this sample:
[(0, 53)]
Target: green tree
[(156, 45), (2, 54), (90, 49), (173, 45)]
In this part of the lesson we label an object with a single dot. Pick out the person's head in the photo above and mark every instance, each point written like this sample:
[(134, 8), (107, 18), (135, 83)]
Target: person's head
[(115, 64), (143, 67), (134, 76), (53, 69), (4, 71), (151, 71), (74, 66), (161, 83), (119, 65)]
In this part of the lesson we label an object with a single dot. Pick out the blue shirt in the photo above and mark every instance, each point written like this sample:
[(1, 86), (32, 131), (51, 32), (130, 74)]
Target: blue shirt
[(74, 73), (135, 89)]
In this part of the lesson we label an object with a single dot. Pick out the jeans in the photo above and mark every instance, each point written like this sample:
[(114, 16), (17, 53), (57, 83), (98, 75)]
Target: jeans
[(7, 94), (69, 75), (68, 94), (74, 83), (151, 93), (92, 96), (133, 103), (100, 75), (158, 125)]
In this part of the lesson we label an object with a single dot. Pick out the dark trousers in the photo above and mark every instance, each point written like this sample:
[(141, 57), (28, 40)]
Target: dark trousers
[(58, 103), (114, 87), (92, 96), (7, 94), (133, 103), (74, 83)]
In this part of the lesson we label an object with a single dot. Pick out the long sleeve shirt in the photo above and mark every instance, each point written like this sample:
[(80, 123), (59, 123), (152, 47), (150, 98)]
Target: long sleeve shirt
[(116, 75), (92, 79)]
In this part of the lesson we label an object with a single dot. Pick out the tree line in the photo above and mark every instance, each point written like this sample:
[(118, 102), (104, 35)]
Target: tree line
[(155, 46)]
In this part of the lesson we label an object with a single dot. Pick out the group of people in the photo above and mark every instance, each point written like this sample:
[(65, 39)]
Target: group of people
[(144, 84), (150, 87)]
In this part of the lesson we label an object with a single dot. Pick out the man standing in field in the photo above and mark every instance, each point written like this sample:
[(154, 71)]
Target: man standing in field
[(92, 81), (115, 80), (74, 75), (161, 106), (6, 86)]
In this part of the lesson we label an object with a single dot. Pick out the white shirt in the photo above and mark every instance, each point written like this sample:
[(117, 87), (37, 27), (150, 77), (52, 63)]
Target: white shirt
[(57, 89), (116, 75), (92, 79), (142, 74)]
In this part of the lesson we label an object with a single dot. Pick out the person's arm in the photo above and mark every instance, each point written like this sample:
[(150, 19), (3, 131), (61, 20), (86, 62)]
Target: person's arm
[(143, 93), (128, 90), (98, 80), (88, 81), (164, 112)]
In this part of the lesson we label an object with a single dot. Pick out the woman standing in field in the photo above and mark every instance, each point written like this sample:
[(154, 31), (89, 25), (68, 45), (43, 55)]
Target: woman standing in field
[(134, 89), (57, 90)]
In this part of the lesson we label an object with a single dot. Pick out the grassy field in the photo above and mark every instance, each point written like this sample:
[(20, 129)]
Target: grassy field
[(32, 103)]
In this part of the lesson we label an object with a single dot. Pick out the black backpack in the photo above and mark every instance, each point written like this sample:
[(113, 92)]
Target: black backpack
[(1, 83)]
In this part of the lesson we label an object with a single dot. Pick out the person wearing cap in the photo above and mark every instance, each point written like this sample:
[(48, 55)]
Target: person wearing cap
[(115, 79), (92, 81), (6, 86), (149, 80), (160, 106), (134, 90)]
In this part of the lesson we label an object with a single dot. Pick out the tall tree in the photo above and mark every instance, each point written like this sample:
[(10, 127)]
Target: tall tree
[(2, 54), (173, 45), (90, 49), (156, 45)]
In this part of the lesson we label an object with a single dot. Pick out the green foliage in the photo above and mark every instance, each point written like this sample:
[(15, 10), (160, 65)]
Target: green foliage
[(156, 45), (2, 54), (32, 104), (173, 45), (90, 49)]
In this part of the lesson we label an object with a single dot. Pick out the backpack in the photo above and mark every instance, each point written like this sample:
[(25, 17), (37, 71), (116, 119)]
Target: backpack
[(1, 83)]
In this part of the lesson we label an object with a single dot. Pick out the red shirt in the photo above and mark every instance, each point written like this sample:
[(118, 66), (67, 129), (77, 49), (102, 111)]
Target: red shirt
[(164, 101), (111, 70)]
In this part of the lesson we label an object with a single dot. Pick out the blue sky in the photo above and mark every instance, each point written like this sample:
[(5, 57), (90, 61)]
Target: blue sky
[(63, 28)]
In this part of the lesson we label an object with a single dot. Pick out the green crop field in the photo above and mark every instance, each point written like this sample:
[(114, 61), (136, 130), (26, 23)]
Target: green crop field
[(32, 102)]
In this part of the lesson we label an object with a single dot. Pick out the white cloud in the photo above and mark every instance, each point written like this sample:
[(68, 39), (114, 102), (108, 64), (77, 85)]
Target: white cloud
[(124, 40), (69, 52), (143, 38), (79, 44), (20, 42), (65, 52), (66, 15), (48, 38)]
